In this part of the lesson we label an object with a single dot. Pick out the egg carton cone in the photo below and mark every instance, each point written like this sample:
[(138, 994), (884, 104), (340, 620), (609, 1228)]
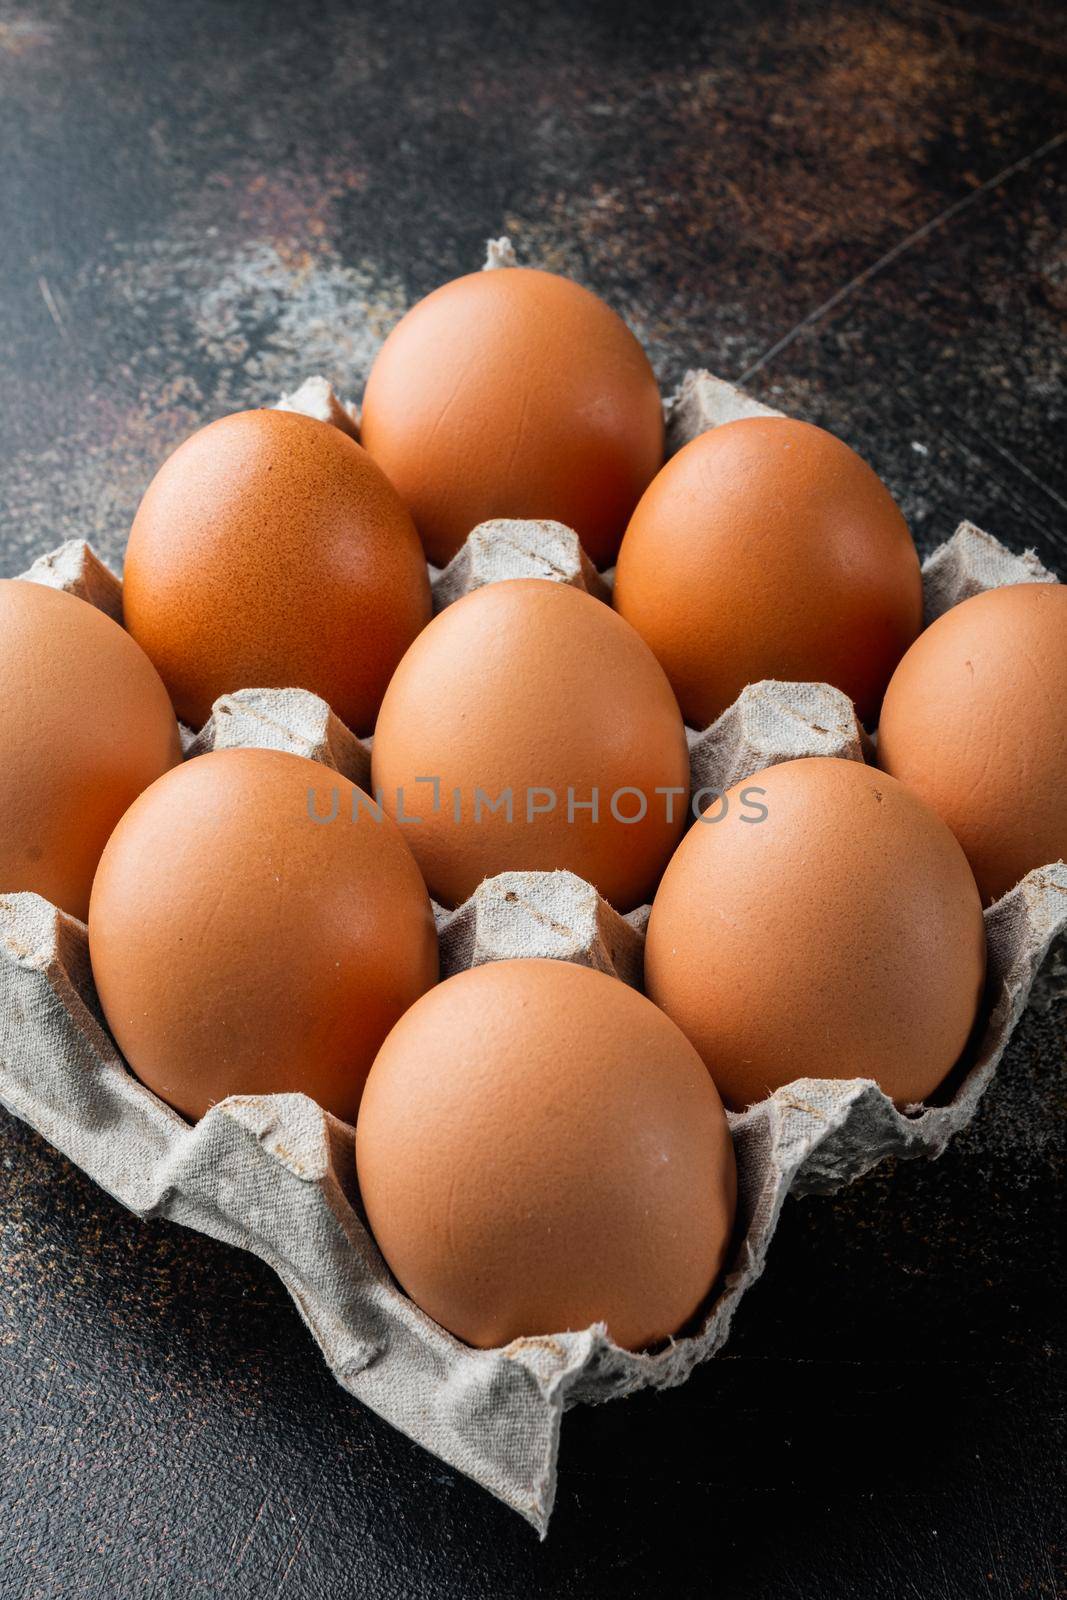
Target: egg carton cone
[(275, 1175), (317, 398), (509, 548)]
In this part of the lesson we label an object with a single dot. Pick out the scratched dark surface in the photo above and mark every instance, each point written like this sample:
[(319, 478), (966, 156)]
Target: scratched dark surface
[(863, 210)]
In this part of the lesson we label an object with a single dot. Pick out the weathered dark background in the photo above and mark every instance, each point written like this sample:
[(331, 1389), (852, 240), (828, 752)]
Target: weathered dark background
[(861, 210)]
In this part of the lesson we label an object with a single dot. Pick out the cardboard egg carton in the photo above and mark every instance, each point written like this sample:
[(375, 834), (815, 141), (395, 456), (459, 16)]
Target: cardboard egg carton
[(275, 1175)]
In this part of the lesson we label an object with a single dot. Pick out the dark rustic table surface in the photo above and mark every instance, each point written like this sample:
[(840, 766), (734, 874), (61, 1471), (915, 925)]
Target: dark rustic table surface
[(860, 211)]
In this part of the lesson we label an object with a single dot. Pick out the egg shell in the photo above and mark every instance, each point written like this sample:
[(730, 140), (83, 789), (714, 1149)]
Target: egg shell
[(540, 1149), (514, 393), (975, 722), (271, 552), (241, 947), (840, 935), (529, 685), (85, 726), (766, 548)]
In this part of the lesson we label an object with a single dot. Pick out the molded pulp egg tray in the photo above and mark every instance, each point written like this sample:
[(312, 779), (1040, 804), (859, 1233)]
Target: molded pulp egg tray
[(275, 1174)]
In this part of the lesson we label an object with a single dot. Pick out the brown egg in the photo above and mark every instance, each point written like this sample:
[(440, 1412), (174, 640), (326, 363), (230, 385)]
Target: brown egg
[(533, 690), (514, 393), (270, 552), (242, 945), (975, 722), (540, 1149), (768, 549), (85, 725), (827, 927)]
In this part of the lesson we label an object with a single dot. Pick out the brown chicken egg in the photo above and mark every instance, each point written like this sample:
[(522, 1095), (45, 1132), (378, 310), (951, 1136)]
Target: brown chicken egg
[(975, 722), (256, 928), (768, 549), (540, 1149), (826, 925), (271, 552), (514, 393), (85, 725), (529, 728)]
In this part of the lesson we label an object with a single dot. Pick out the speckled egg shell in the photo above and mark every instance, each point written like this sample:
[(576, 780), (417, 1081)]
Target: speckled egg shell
[(514, 393), (540, 1149), (524, 686), (241, 947), (827, 927), (85, 725), (975, 721), (768, 549), (271, 552)]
